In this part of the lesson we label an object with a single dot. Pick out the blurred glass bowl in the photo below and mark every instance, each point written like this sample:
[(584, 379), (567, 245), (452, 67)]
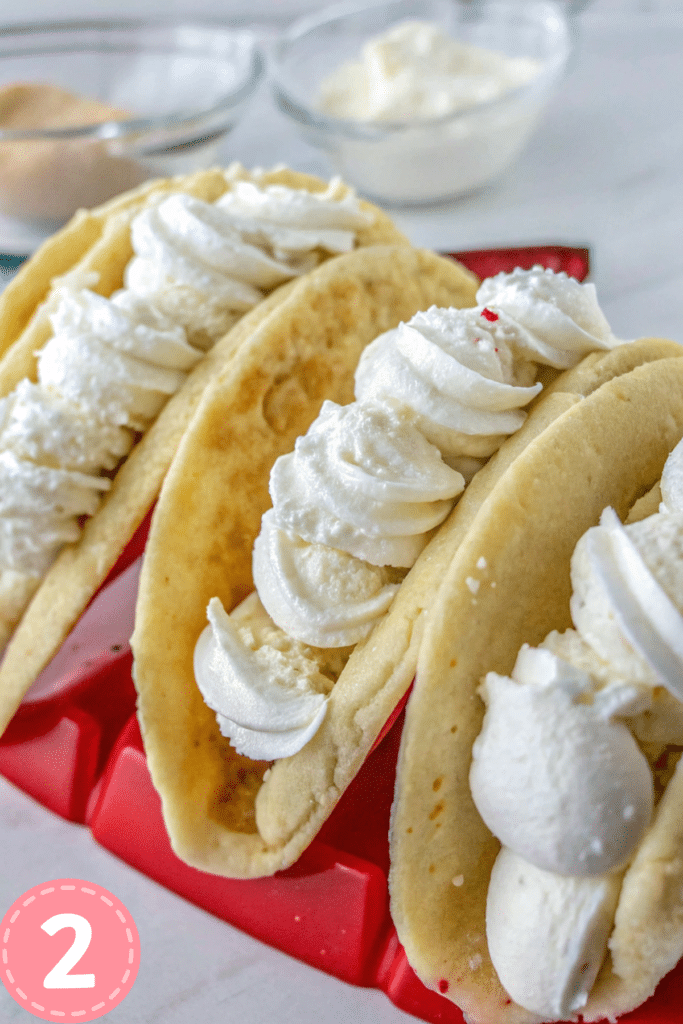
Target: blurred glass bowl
[(156, 99), (411, 162)]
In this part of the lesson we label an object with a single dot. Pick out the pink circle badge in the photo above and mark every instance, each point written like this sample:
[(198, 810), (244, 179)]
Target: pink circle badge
[(69, 950)]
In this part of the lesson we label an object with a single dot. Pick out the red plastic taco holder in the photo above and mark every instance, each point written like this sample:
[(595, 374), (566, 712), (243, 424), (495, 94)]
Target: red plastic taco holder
[(78, 751)]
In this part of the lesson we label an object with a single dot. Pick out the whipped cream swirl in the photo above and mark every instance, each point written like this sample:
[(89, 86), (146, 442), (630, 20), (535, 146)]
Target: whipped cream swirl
[(457, 373), (205, 264), (106, 371), (294, 222), (39, 507), (320, 595), (270, 696), (359, 494), (116, 359), (365, 480), (359, 497), (562, 318), (628, 597)]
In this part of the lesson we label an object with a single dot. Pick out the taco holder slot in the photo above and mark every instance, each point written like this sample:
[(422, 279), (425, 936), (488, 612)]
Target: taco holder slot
[(329, 910), (80, 754)]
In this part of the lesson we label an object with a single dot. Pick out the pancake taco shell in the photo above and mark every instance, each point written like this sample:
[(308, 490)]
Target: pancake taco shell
[(220, 814), (98, 242), (611, 425)]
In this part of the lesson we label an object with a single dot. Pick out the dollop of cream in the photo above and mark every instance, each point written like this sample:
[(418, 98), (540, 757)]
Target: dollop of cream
[(270, 697), (365, 480), (320, 595), (554, 775), (461, 382), (562, 317), (547, 934)]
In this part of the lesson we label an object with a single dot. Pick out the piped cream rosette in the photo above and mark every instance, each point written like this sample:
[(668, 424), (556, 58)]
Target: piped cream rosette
[(572, 764), (249, 667), (111, 332)]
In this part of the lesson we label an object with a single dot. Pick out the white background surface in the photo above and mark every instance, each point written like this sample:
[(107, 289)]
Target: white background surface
[(605, 170)]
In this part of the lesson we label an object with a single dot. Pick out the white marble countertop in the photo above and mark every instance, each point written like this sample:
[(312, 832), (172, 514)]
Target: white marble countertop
[(605, 169)]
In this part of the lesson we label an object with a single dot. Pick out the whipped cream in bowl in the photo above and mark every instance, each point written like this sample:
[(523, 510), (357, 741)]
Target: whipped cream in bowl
[(418, 101)]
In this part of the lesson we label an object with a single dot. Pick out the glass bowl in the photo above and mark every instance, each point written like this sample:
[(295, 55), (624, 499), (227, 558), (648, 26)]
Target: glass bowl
[(416, 159), (89, 109)]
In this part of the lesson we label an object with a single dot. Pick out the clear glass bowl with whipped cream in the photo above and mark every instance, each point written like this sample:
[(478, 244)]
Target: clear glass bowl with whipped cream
[(421, 101)]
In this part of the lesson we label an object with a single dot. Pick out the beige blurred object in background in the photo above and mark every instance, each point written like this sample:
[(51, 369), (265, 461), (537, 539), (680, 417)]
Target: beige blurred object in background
[(89, 109), (46, 179)]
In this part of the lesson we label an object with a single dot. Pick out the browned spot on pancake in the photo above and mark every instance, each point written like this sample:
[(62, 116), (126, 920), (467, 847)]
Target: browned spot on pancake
[(436, 785), (664, 768), (438, 808), (234, 799)]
